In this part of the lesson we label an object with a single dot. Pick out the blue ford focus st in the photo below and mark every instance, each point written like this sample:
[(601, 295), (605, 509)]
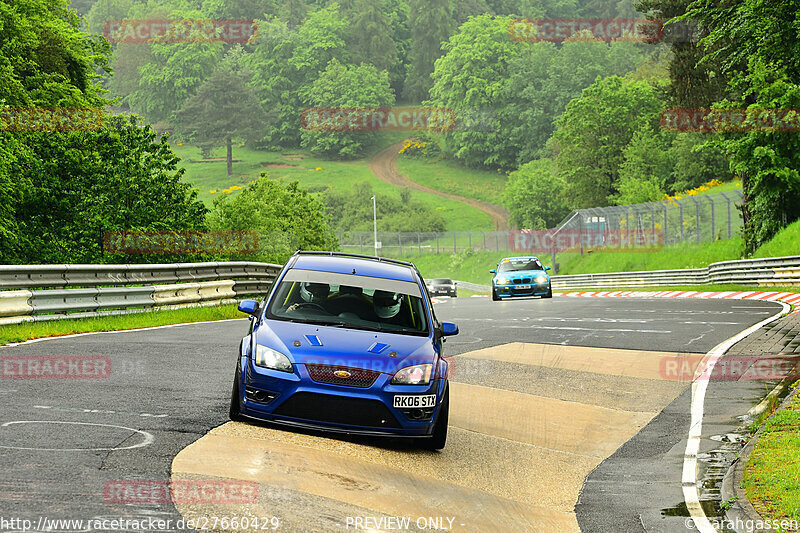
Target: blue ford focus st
[(346, 343)]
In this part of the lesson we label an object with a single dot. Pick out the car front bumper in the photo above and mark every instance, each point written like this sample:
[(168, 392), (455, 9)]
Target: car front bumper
[(299, 401), (510, 291)]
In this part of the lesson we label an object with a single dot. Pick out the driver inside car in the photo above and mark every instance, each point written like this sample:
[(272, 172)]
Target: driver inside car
[(312, 295), (388, 307)]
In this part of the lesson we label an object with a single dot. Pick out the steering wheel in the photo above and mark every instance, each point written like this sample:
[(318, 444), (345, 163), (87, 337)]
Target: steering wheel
[(300, 305)]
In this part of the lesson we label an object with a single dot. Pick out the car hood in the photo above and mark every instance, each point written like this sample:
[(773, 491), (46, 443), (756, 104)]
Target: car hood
[(325, 345), (522, 274)]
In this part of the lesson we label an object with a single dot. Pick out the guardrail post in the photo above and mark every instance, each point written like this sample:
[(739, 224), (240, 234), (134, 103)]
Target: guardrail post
[(419, 243), (484, 239), (400, 242), (697, 214), (437, 243), (455, 250), (729, 212), (360, 244), (469, 234), (713, 224)]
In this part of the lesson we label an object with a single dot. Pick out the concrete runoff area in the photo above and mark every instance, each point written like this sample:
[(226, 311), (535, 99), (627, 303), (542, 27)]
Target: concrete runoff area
[(514, 460)]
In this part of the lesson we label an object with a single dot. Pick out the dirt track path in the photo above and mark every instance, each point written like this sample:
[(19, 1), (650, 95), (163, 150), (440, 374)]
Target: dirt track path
[(384, 166)]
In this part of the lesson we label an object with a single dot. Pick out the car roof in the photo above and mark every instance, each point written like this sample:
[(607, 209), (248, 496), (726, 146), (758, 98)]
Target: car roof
[(522, 257), (363, 266)]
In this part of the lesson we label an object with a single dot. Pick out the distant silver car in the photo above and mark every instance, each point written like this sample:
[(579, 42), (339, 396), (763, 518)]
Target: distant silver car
[(443, 287)]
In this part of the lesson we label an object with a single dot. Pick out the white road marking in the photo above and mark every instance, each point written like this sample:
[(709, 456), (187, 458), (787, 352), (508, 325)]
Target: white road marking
[(572, 328), (73, 335), (691, 494), (148, 438), (97, 411)]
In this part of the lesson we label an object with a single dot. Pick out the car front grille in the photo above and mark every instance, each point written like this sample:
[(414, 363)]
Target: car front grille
[(337, 410), (327, 374)]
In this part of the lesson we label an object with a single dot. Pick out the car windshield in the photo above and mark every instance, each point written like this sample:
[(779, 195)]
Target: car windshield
[(442, 281), (513, 265), (358, 306)]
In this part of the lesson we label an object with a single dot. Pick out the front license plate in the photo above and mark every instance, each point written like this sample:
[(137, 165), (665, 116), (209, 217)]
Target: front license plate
[(404, 401), (522, 287)]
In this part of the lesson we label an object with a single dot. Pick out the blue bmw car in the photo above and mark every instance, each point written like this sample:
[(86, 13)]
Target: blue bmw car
[(520, 276), (346, 343)]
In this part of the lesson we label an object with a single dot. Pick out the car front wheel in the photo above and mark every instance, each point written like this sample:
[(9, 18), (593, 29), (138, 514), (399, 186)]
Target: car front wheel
[(235, 412), (495, 297), (439, 438)]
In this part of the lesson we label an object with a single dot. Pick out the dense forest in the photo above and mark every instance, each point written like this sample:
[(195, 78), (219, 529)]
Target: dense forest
[(574, 123)]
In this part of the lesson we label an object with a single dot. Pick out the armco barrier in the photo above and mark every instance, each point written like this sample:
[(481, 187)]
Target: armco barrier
[(770, 272), (34, 293)]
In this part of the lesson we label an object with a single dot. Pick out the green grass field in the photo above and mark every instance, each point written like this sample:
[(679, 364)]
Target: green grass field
[(786, 242), (772, 475), (312, 173), (55, 328), (448, 176)]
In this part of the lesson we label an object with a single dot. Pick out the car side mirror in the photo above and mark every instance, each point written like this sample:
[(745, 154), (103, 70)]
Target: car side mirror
[(547, 268), (248, 306), (448, 328), (493, 271)]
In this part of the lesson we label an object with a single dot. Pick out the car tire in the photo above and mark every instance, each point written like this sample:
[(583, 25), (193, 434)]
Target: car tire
[(235, 412), (549, 294), (439, 437), (495, 297)]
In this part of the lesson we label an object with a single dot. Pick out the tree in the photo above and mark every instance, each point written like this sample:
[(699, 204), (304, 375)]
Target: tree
[(533, 196), (286, 218), (371, 35), (431, 24), (45, 59), (546, 77), (473, 76), (104, 11), (283, 63), (697, 161), (351, 210), (593, 131), (173, 76), (223, 109), (120, 177), (754, 43), (647, 167), (343, 86), (693, 84)]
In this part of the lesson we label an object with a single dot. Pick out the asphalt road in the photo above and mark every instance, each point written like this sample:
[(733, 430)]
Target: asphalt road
[(63, 441)]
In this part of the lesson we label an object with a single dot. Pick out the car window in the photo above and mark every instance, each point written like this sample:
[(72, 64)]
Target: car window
[(512, 265), (357, 306)]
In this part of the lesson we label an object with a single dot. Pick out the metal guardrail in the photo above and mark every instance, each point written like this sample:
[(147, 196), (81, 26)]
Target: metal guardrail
[(771, 272), (36, 293)]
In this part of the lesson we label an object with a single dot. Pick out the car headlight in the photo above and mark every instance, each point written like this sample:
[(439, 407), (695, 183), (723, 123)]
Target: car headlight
[(501, 281), (269, 358), (413, 375), (540, 279)]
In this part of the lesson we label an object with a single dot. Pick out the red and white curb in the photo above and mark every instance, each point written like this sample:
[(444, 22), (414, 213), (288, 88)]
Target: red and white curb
[(790, 298)]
